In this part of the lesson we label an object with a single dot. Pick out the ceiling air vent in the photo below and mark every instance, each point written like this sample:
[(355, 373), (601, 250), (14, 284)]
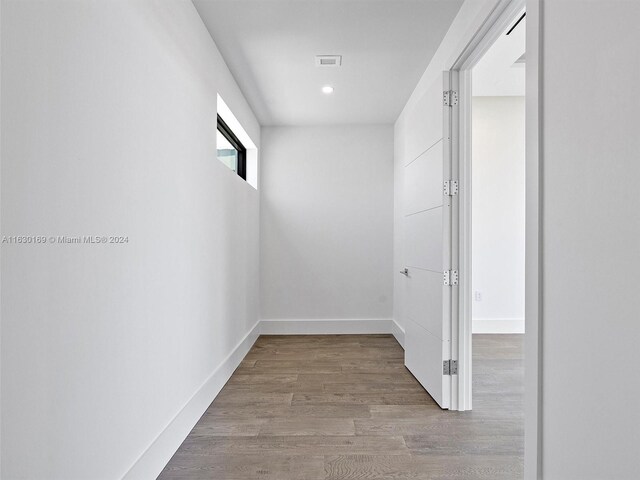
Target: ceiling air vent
[(328, 60)]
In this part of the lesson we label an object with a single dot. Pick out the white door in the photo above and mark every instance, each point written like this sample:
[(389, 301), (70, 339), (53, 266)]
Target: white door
[(427, 248)]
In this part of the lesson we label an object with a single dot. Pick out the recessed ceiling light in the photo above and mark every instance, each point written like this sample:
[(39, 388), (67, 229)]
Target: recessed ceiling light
[(327, 89)]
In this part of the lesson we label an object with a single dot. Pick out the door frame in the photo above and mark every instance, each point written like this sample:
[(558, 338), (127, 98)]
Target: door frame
[(505, 12)]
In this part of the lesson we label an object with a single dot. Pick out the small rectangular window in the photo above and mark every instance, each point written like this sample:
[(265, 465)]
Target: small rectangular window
[(231, 152)]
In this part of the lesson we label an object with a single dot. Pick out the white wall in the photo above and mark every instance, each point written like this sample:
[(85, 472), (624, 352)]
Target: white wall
[(498, 212), (326, 222), (109, 117), (591, 247)]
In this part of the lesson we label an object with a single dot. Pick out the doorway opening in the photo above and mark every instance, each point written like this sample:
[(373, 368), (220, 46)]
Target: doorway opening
[(497, 240), (498, 209), (498, 185)]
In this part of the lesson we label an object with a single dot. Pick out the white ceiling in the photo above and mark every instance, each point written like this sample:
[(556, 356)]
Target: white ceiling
[(270, 47), (498, 73)]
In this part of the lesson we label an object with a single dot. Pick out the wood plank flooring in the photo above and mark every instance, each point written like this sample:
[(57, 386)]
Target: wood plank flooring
[(334, 407)]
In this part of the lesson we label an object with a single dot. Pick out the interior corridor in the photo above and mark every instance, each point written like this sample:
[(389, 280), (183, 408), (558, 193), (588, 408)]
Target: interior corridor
[(344, 407)]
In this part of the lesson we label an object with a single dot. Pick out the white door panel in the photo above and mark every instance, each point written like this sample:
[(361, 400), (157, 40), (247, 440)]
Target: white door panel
[(423, 358), (427, 302), (425, 122), (423, 234), (423, 181), (424, 301)]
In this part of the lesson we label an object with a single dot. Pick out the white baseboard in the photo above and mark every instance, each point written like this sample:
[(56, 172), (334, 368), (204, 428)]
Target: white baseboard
[(157, 455), (498, 325), (397, 332), (324, 326)]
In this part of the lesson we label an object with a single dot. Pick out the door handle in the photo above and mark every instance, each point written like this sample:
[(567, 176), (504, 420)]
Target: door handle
[(405, 272)]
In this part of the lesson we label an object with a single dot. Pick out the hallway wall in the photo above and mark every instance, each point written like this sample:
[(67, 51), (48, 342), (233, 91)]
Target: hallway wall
[(591, 253), (108, 128), (327, 222), (498, 178)]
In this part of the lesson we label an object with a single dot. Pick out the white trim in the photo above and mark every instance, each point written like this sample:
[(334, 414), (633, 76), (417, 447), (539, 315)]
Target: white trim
[(498, 325), (339, 326), (465, 326), (398, 332), (160, 451), (533, 248), (312, 326), (449, 234)]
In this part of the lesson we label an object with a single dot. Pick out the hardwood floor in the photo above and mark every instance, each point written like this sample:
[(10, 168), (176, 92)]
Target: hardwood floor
[(333, 407)]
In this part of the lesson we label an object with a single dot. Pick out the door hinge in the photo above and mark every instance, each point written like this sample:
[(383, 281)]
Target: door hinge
[(450, 367), (451, 277), (451, 188), (450, 98)]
